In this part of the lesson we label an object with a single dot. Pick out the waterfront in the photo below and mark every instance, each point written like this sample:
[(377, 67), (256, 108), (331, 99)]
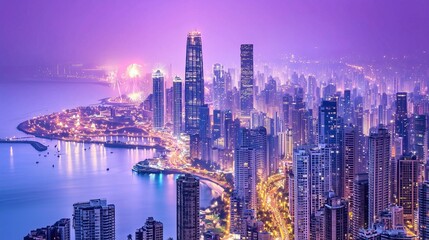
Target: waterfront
[(34, 195)]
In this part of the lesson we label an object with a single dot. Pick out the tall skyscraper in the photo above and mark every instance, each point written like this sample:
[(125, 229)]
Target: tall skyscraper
[(177, 106), (194, 82), (424, 211), (379, 172), (408, 174), (360, 204), (246, 81), (401, 120), (94, 220), (158, 100), (58, 231), (188, 207), (152, 230), (349, 157), (219, 87), (204, 132), (336, 218), (301, 172)]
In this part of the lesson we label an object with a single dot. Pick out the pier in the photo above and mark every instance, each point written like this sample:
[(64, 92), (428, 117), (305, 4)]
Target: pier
[(36, 145)]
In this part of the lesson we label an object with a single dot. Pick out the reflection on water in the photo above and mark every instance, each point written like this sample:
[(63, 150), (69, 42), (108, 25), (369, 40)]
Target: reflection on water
[(34, 195)]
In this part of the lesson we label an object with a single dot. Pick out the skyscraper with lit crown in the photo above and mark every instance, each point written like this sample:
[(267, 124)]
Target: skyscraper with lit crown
[(194, 82), (158, 99)]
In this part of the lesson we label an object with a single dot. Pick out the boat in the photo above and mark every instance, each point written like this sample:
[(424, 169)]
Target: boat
[(107, 169), (148, 166)]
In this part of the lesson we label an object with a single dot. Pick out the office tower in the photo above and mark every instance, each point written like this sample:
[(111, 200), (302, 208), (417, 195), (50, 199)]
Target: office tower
[(287, 108), (158, 100), (419, 136), (360, 204), (245, 176), (328, 122), (188, 206), (257, 140), (336, 218), (348, 108), (177, 106), (301, 168), (194, 82), (423, 210), (311, 92), (168, 105), (320, 157), (349, 159), (236, 212), (204, 132), (299, 123), (401, 120), (152, 230), (94, 220), (58, 231), (408, 174), (246, 81), (379, 169), (218, 126), (219, 87)]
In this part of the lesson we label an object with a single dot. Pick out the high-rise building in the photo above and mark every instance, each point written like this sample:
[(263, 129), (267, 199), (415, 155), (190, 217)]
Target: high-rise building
[(349, 158), (328, 122), (152, 230), (158, 100), (245, 176), (204, 132), (419, 136), (401, 120), (360, 204), (379, 173), (408, 174), (423, 210), (218, 126), (94, 220), (177, 106), (301, 172), (219, 87), (336, 218), (58, 231), (246, 81), (188, 207), (194, 82)]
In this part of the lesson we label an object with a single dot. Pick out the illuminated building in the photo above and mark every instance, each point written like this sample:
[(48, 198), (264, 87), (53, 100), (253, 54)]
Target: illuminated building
[(245, 176), (379, 170), (194, 82), (58, 231), (246, 82), (177, 106), (188, 207), (336, 218), (401, 120), (423, 211), (219, 91), (408, 174), (360, 204), (158, 100), (94, 220)]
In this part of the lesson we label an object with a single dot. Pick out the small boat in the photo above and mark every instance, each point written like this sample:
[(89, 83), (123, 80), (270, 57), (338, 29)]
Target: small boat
[(107, 169), (111, 152), (37, 162), (53, 165)]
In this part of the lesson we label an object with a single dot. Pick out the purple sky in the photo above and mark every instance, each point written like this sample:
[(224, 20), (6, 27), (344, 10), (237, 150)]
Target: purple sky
[(149, 31)]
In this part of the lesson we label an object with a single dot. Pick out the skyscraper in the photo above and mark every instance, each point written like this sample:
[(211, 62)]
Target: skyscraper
[(301, 169), (245, 176), (177, 106), (408, 174), (188, 207), (219, 87), (328, 122), (246, 81), (379, 170), (152, 230), (336, 218), (401, 120), (158, 100), (194, 82), (360, 204), (349, 156), (94, 220), (424, 210)]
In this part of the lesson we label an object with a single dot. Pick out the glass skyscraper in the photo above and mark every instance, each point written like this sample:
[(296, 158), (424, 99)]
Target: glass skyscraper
[(188, 207), (246, 83), (158, 99), (177, 105), (194, 82)]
